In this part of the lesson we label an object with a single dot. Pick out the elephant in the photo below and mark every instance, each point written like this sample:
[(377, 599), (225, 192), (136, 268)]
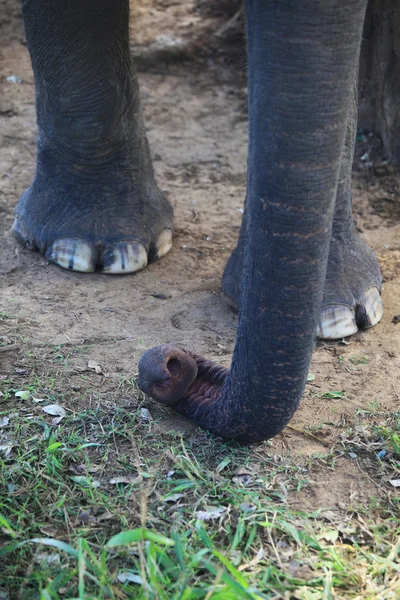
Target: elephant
[(299, 269)]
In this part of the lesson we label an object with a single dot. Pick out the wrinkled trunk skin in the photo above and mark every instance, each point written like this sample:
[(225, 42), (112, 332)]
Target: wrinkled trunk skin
[(302, 59), (379, 107)]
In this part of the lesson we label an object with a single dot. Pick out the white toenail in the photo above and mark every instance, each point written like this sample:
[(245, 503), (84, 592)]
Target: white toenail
[(164, 243), (373, 306), (336, 321), (73, 254), (124, 257)]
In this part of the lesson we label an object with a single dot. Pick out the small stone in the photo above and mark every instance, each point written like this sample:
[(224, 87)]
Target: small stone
[(145, 415), (13, 79)]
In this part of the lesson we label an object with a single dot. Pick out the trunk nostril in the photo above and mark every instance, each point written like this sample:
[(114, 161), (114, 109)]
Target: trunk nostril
[(166, 373), (173, 366)]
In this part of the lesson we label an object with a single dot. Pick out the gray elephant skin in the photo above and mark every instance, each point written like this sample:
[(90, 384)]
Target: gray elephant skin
[(299, 269)]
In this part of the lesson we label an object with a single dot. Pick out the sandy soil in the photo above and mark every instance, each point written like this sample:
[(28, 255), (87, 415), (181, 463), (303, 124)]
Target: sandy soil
[(194, 95)]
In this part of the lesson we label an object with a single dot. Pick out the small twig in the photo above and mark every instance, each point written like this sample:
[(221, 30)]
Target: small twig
[(366, 475), (212, 329), (114, 440), (307, 433), (9, 348), (228, 24), (272, 541), (217, 579), (394, 550)]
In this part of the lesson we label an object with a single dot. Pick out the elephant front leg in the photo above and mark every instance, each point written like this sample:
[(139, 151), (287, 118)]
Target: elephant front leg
[(352, 291), (94, 203)]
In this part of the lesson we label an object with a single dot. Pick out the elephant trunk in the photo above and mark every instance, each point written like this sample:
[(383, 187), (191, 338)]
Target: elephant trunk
[(302, 64)]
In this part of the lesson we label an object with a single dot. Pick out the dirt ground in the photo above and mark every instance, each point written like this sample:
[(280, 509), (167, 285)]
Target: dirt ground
[(191, 69)]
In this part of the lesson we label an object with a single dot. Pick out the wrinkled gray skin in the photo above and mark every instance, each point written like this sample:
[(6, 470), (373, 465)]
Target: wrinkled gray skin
[(299, 267)]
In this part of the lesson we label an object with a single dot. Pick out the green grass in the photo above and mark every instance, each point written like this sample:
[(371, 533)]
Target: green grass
[(107, 505)]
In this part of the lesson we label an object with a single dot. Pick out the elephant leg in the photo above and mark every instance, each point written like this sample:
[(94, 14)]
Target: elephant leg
[(352, 290), (353, 282), (94, 203)]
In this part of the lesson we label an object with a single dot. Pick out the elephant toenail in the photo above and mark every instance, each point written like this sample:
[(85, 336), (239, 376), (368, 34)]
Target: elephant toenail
[(124, 257), (336, 321), (20, 233), (370, 309), (73, 254), (164, 243)]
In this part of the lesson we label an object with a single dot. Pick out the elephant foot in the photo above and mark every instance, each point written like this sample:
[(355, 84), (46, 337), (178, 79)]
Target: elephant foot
[(116, 224), (352, 294)]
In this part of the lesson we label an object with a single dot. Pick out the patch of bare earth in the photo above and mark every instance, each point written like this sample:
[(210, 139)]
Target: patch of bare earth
[(194, 105)]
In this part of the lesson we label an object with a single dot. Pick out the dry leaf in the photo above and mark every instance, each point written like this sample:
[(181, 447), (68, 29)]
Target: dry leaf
[(48, 559), (213, 512), (247, 507), (86, 518), (173, 497), (124, 479), (94, 468), (94, 366), (79, 469), (4, 421), (55, 410), (6, 449), (104, 517), (124, 576), (85, 481), (395, 482), (23, 394), (242, 479)]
